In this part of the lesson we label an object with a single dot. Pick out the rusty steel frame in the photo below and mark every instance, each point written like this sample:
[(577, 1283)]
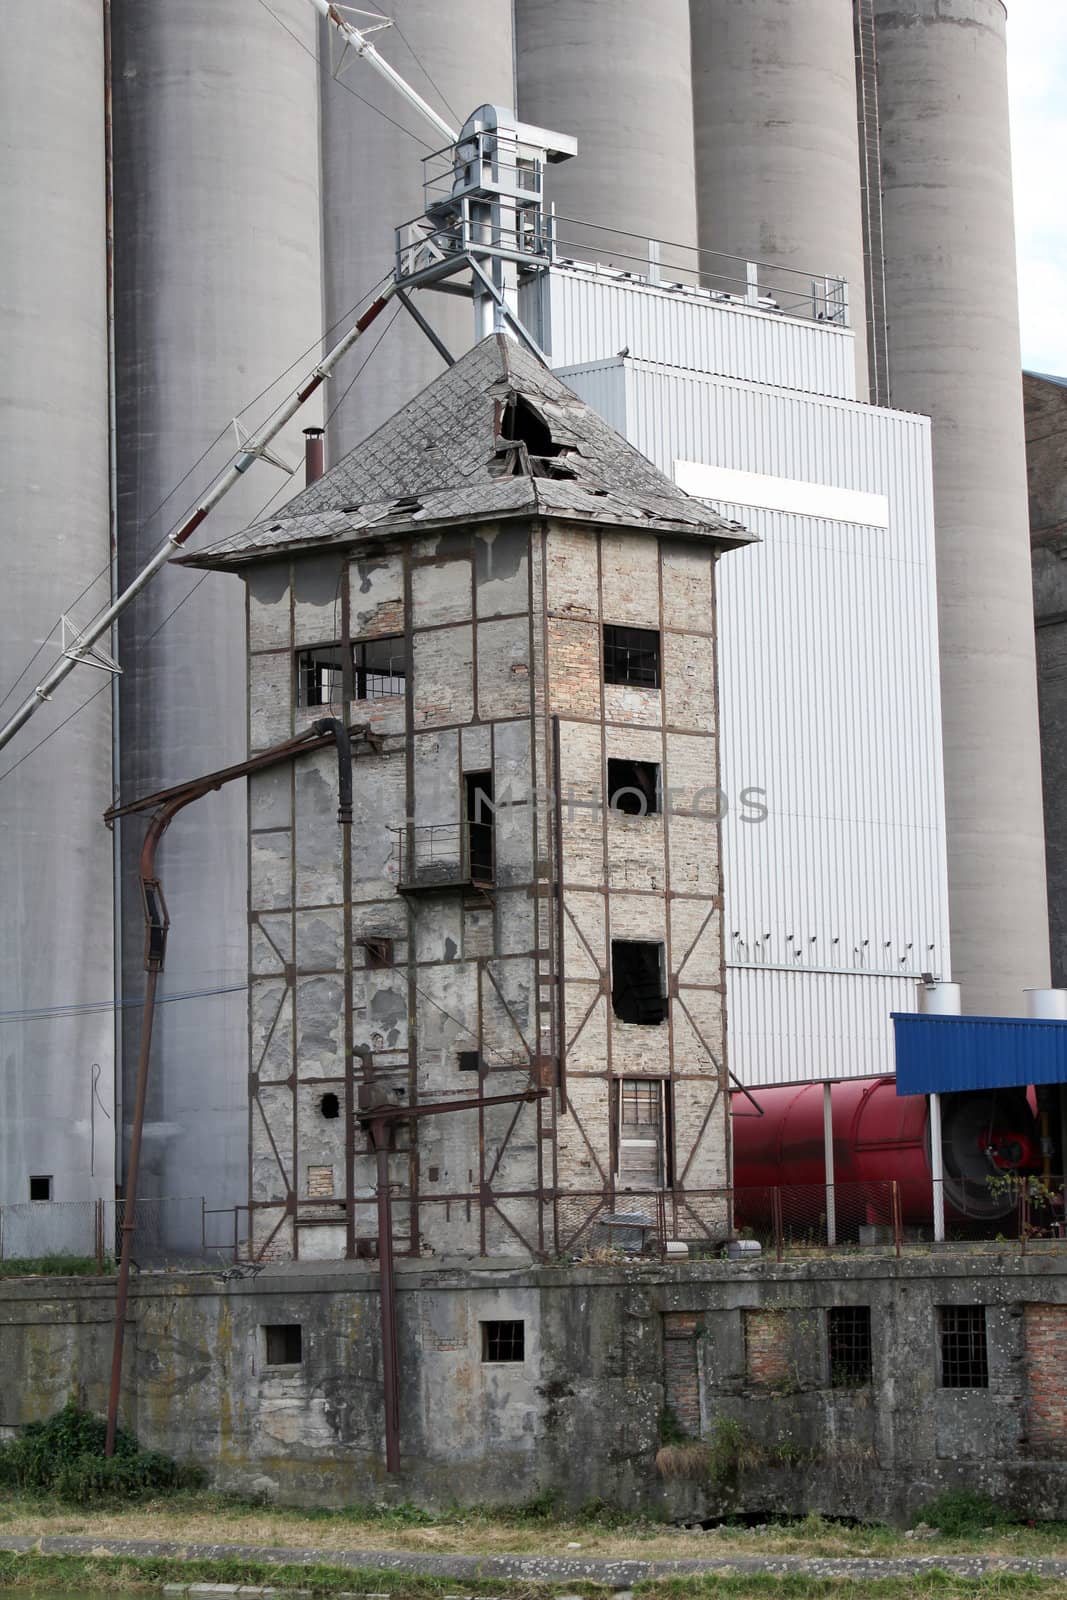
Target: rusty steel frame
[(166, 803)]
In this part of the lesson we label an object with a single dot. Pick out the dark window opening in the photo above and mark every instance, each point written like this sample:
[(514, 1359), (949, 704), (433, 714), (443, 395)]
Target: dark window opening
[(284, 1344), (633, 787), (378, 668), (849, 1342), (964, 1362), (469, 1060), (40, 1188), (320, 675), (480, 817), (330, 1106), (378, 952), (503, 1341), (631, 655), (643, 1141), (637, 982)]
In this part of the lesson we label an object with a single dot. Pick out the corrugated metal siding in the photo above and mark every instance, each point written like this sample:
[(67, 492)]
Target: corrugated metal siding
[(830, 702), (799, 1027), (580, 318), (939, 1055)]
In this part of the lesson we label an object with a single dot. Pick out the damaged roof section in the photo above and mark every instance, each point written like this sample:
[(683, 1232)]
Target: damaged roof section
[(496, 435)]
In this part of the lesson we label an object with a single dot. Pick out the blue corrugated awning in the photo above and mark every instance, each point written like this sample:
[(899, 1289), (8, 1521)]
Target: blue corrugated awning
[(939, 1055)]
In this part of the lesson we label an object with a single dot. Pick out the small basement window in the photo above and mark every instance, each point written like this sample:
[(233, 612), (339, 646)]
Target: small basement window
[(633, 787), (964, 1361), (284, 1344), (378, 668), (503, 1341), (40, 1188), (631, 655), (320, 675), (330, 1107), (849, 1345), (637, 991)]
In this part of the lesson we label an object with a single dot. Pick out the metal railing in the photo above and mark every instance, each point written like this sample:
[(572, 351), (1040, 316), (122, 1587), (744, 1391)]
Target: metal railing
[(442, 855), (171, 1232)]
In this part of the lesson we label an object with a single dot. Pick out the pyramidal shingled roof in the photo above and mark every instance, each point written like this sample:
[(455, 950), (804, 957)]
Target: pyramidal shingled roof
[(496, 435)]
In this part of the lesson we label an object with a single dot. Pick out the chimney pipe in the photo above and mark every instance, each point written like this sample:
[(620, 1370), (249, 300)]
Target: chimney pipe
[(314, 455)]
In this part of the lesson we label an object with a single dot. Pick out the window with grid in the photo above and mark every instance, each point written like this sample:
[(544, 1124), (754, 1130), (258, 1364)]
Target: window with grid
[(640, 1132), (964, 1360), (849, 1346), (503, 1341), (320, 675), (631, 655), (378, 667)]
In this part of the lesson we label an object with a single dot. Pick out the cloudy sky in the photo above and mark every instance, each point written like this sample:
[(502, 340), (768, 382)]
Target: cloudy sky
[(1037, 65)]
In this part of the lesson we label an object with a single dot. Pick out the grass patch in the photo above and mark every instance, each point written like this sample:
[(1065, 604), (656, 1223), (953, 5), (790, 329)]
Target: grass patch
[(939, 1584), (57, 1266), (35, 1571)]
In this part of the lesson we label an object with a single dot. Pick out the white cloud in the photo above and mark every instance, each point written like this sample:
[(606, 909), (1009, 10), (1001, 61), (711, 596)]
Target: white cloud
[(1037, 74)]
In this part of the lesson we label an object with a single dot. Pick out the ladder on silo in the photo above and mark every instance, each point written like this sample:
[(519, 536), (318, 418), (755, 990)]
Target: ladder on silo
[(870, 138)]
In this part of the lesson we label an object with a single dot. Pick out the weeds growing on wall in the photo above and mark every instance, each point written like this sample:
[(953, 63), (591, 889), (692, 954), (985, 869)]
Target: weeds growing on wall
[(65, 1457), (55, 1267), (959, 1513)]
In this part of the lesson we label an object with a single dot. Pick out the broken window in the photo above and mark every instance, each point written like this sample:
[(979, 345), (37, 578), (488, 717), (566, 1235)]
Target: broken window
[(849, 1345), (469, 1060), (637, 989), (330, 1107), (283, 1344), (480, 817), (320, 675), (378, 953), (964, 1363), (378, 668), (642, 1130), (503, 1341), (633, 787), (40, 1188), (631, 655)]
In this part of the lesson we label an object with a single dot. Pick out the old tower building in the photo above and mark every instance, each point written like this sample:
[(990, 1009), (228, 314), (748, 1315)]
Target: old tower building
[(514, 614)]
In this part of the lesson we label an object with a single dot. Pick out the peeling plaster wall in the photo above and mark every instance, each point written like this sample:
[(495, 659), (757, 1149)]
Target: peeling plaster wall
[(605, 1350), (501, 629)]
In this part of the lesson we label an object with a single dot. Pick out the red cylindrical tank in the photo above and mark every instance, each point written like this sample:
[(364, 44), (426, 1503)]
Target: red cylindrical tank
[(880, 1136)]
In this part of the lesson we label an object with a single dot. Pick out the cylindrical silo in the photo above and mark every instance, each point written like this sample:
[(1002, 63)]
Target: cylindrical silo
[(458, 57), (56, 1061), (777, 143), (615, 75), (218, 289), (954, 354)]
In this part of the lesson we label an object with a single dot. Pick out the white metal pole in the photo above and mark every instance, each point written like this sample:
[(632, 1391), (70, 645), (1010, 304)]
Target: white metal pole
[(363, 47), (828, 1158), (937, 1168), (252, 450)]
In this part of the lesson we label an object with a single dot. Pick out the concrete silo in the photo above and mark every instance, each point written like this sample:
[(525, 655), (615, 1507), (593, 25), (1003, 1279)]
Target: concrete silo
[(777, 141), (954, 354), (373, 144), (56, 1071), (218, 289), (615, 75)]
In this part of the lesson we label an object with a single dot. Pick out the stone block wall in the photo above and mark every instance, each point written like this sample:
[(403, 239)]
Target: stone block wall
[(500, 628)]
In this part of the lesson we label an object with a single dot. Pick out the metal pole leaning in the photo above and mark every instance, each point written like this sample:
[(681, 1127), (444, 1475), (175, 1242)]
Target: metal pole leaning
[(358, 41), (251, 451)]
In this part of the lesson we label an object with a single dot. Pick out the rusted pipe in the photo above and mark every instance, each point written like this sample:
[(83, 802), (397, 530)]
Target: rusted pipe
[(379, 1134), (157, 922)]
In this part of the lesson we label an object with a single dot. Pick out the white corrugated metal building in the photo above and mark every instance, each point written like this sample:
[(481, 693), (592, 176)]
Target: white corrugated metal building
[(837, 901)]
